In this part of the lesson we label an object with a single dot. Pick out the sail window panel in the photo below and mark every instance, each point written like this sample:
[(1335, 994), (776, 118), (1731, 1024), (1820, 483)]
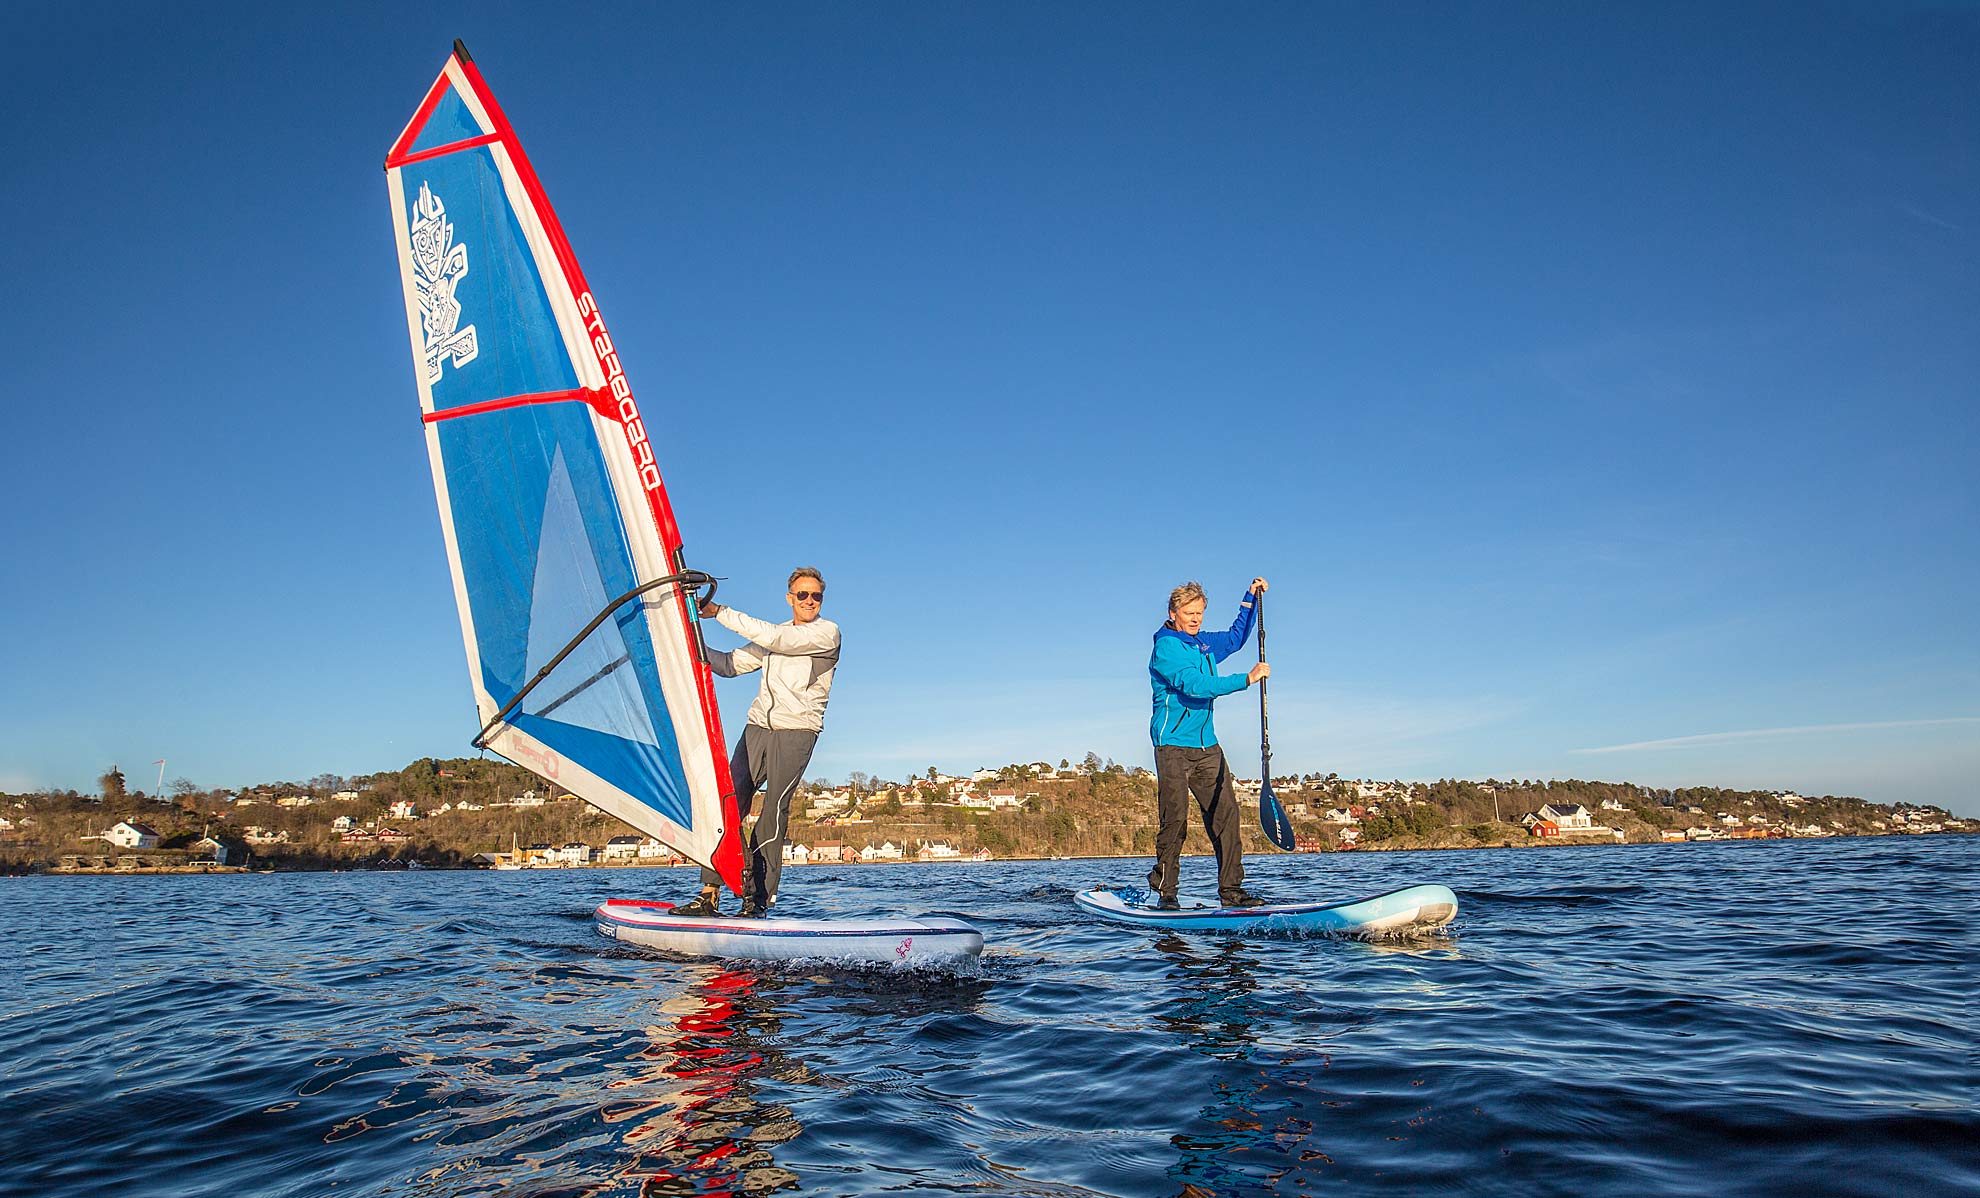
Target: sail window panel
[(596, 685), (543, 551)]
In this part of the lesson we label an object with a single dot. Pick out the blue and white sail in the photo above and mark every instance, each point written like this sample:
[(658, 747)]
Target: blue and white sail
[(550, 494)]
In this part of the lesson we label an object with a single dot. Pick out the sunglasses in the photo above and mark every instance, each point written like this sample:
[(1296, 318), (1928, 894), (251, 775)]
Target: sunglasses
[(801, 596)]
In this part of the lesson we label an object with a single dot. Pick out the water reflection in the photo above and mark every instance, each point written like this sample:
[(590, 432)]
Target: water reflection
[(699, 1126), (702, 1111), (1260, 1135)]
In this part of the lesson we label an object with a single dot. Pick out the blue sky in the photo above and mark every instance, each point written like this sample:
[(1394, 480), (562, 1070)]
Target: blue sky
[(1597, 387)]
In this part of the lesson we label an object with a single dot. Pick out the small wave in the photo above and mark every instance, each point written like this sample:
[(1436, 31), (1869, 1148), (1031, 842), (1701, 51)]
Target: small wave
[(1577, 897)]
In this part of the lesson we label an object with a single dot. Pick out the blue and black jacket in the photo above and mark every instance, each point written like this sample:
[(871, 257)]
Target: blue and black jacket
[(1183, 669)]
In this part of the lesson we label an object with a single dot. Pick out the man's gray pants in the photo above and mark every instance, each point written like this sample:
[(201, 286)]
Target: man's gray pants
[(770, 760), (1179, 771)]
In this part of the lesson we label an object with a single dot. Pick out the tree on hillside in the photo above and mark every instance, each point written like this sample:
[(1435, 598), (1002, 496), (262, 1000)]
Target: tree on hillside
[(111, 784), (184, 788), (1061, 826)]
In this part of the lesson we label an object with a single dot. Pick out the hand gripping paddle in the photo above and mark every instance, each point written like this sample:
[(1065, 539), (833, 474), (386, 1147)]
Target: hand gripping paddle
[(1271, 816)]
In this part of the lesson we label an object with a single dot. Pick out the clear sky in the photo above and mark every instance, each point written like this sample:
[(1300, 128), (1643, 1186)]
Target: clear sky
[(1596, 384)]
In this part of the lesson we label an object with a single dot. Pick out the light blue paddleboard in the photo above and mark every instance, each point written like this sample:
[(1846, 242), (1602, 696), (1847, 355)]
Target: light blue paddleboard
[(1410, 910)]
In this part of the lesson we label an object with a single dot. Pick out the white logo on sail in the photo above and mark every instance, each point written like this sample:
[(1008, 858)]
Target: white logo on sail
[(438, 268)]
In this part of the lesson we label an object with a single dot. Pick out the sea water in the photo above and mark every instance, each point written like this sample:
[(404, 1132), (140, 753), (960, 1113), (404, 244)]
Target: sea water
[(1710, 1019)]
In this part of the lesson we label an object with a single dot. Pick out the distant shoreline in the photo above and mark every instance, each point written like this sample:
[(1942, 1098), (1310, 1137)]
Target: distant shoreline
[(400, 868), (484, 813)]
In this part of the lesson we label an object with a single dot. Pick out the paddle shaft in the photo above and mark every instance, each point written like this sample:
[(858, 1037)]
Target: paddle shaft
[(1264, 729)]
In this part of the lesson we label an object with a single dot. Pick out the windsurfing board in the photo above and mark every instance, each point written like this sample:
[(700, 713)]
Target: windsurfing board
[(933, 940), (1410, 910)]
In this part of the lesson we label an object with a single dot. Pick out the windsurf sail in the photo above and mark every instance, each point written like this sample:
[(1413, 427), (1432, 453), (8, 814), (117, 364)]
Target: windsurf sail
[(576, 606)]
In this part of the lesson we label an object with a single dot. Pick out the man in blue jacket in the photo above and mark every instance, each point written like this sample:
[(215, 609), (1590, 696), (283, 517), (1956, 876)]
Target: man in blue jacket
[(1183, 668)]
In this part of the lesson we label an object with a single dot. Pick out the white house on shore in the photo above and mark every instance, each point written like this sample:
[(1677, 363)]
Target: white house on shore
[(218, 851), (1567, 815), (130, 834), (622, 848)]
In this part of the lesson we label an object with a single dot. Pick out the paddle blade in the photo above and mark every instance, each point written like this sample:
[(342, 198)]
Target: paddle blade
[(1272, 817)]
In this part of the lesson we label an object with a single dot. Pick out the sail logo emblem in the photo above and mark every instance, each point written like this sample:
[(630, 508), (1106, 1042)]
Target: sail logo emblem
[(438, 268)]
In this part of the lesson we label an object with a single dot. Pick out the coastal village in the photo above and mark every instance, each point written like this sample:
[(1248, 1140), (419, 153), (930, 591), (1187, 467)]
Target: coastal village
[(481, 813)]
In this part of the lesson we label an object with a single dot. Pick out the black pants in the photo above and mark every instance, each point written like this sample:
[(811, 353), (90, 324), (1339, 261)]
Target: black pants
[(1180, 772), (772, 761)]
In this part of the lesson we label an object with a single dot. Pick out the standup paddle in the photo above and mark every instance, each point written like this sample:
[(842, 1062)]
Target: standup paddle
[(1271, 816)]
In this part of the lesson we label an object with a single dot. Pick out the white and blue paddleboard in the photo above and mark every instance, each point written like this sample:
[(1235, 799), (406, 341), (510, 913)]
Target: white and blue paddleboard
[(935, 940), (1400, 912)]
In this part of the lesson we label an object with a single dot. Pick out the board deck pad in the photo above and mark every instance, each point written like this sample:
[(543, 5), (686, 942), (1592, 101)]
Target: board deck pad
[(1411, 910), (918, 942)]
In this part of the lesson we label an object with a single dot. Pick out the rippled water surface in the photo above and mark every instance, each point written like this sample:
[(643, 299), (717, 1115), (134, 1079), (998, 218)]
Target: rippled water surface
[(1719, 1019)]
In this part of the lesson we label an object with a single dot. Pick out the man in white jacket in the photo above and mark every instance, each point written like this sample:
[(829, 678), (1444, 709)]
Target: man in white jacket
[(797, 659)]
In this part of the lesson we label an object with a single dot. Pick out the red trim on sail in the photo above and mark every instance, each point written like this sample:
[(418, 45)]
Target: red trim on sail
[(413, 127), (727, 860), (464, 144), (599, 399)]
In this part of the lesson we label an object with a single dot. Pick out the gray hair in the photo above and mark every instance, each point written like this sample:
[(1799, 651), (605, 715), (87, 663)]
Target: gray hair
[(804, 572), (1189, 592)]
